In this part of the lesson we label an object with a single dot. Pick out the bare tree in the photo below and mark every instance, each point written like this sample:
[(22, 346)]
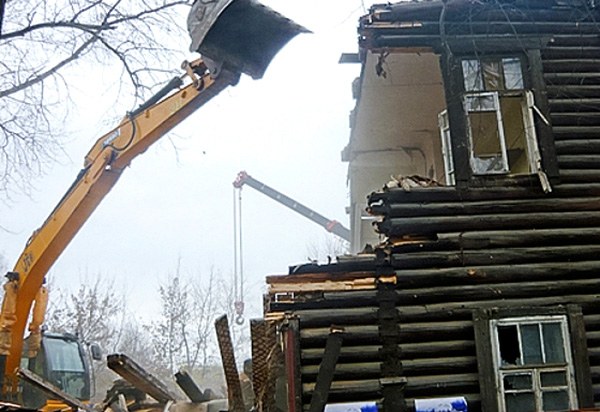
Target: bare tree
[(40, 40), (327, 248), (171, 334), (95, 314)]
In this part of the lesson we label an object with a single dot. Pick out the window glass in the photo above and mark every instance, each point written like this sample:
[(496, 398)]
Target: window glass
[(517, 382), (492, 75), (520, 402), (63, 355), (553, 379), (556, 401), (532, 348), (472, 75), (553, 343), (513, 76), (529, 375), (481, 103)]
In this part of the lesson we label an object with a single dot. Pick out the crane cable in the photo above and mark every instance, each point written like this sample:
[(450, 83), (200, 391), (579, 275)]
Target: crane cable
[(238, 264)]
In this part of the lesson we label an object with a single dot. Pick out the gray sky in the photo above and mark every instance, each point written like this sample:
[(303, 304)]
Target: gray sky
[(174, 204)]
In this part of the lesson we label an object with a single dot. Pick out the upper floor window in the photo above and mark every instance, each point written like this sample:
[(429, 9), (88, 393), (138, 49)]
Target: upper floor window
[(499, 114), (492, 74)]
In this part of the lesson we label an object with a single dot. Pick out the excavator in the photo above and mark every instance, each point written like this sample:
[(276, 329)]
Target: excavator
[(233, 37)]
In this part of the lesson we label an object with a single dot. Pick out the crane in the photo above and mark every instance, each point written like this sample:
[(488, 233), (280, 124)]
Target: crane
[(332, 226)]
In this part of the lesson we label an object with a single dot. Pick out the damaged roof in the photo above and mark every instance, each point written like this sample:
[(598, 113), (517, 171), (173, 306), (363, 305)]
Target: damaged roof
[(432, 23)]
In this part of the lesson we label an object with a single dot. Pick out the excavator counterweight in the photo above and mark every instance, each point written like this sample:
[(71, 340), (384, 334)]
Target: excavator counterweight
[(240, 35)]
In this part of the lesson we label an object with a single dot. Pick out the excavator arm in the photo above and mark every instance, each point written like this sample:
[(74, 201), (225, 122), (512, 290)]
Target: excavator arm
[(103, 166), (234, 37)]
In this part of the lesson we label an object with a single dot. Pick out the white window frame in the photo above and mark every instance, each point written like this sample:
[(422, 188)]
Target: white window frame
[(534, 370), (444, 127), (469, 108)]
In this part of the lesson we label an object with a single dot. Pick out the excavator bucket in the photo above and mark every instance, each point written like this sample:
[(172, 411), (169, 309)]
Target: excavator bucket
[(241, 35)]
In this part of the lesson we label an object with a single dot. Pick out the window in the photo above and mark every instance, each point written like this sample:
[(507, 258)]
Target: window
[(532, 360), (499, 114)]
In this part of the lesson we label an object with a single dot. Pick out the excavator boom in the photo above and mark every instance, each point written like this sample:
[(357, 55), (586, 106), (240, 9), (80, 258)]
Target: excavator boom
[(233, 45)]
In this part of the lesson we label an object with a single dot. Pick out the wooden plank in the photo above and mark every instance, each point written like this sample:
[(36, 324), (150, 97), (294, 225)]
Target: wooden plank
[(485, 361), (583, 378), (359, 284)]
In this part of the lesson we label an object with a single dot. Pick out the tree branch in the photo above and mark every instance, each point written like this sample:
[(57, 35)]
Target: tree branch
[(40, 78), (54, 25)]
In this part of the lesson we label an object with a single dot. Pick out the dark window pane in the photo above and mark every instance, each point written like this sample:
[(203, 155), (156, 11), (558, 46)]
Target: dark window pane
[(519, 402), (555, 401), (532, 348), (517, 382), (509, 344), (553, 343), (554, 379)]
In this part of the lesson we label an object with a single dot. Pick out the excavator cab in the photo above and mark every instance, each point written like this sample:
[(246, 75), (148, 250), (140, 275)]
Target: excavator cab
[(241, 36), (62, 362)]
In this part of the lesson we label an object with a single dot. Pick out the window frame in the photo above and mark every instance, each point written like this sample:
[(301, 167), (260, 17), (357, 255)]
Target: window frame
[(534, 370), (485, 355), (533, 80)]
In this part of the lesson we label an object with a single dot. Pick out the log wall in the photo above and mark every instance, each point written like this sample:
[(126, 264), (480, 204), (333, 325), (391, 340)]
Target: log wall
[(455, 251)]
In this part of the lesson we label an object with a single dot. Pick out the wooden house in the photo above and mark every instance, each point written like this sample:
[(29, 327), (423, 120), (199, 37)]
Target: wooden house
[(486, 286)]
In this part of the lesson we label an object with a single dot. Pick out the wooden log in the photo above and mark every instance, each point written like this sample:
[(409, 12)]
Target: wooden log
[(505, 256), (592, 321), (515, 290), (441, 312), (572, 78), (579, 161), (575, 118), (493, 207), (409, 332), (572, 104), (575, 133), (505, 238), (570, 40), (409, 350), (498, 273), (580, 176), (412, 367), (419, 226), (582, 146), (570, 91), (454, 194), (571, 65), (424, 384), (572, 52)]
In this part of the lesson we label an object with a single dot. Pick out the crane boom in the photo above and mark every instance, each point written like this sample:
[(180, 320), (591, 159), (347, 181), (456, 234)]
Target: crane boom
[(332, 226)]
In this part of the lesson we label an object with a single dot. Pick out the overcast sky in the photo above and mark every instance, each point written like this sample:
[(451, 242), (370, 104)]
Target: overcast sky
[(174, 204)]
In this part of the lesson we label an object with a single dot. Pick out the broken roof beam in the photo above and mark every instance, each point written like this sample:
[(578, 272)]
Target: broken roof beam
[(310, 282)]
